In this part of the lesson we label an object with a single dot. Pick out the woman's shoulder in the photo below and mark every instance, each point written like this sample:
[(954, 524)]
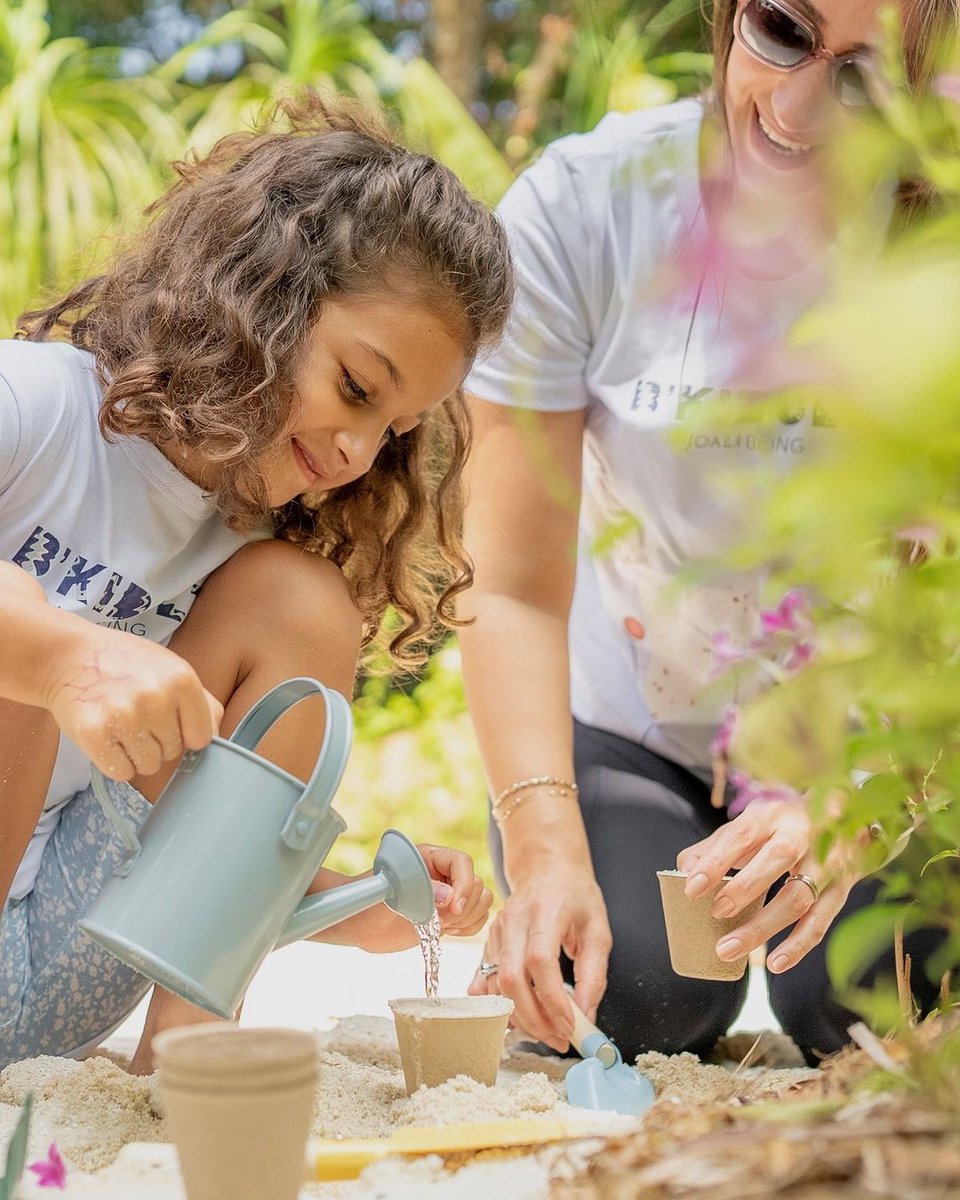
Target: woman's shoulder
[(665, 132)]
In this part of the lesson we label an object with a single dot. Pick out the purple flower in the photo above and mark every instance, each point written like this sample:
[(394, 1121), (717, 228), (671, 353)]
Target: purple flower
[(749, 791), (51, 1171), (792, 614), (799, 656), (725, 730), (726, 650)]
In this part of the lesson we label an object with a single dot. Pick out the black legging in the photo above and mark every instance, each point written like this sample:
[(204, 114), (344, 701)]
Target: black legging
[(640, 810)]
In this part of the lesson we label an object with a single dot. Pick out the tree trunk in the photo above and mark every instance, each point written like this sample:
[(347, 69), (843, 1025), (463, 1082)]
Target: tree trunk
[(457, 41)]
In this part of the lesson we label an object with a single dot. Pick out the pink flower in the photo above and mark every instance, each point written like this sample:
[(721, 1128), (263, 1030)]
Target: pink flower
[(792, 614), (726, 650), (724, 735), (799, 656), (749, 791), (51, 1171), (948, 86)]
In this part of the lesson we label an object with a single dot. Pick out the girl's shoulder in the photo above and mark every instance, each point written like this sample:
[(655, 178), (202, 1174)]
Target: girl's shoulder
[(39, 368), (49, 391)]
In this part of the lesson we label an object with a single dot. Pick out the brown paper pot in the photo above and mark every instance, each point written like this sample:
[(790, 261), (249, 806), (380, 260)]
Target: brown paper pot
[(239, 1103), (459, 1035), (693, 934)]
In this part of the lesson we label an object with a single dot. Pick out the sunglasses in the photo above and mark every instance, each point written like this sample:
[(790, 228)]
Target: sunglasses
[(776, 35)]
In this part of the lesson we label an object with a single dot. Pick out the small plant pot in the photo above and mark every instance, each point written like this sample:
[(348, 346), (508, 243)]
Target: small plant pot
[(692, 933), (460, 1035), (238, 1103)]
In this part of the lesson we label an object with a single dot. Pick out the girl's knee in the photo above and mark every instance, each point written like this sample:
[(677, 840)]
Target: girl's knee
[(275, 586), (271, 612)]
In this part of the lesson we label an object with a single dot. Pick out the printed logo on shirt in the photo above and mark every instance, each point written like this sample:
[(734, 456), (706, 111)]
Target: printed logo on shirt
[(92, 584), (682, 404)]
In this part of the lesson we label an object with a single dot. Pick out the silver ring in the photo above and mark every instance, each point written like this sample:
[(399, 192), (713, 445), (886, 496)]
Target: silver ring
[(809, 882), (486, 969)]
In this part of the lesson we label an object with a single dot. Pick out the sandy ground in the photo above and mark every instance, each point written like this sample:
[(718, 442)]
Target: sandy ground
[(110, 1129)]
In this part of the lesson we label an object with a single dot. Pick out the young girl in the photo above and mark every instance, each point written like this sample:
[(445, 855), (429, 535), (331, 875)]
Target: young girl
[(249, 446), (616, 369)]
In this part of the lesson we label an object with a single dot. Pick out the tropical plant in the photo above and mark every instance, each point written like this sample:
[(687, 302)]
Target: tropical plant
[(79, 144), (626, 57), (865, 719), (295, 43)]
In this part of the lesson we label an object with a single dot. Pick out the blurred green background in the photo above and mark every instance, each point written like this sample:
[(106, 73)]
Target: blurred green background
[(98, 96)]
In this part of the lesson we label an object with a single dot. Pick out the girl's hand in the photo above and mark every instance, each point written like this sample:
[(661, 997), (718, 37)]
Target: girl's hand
[(550, 911), (462, 901), (767, 840), (129, 704)]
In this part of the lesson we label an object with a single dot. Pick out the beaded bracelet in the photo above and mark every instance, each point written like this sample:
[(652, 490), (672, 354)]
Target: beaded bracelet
[(510, 799)]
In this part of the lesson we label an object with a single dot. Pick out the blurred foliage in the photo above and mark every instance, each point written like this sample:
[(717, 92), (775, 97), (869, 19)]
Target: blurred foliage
[(79, 146), (415, 766), (870, 527)]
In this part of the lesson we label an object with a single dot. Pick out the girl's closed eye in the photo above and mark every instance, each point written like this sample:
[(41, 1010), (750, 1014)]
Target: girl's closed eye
[(352, 390)]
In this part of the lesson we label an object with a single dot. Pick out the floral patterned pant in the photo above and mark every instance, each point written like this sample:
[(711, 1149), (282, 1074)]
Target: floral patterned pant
[(61, 993)]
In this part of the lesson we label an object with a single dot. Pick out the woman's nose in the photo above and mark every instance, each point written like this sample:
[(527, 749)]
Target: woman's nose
[(802, 103)]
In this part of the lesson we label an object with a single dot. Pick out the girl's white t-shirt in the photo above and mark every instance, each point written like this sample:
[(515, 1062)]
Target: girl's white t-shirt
[(616, 314), (112, 531)]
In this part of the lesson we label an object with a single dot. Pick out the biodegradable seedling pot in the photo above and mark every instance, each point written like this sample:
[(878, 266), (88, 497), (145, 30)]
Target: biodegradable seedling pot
[(692, 933), (460, 1035), (239, 1104)]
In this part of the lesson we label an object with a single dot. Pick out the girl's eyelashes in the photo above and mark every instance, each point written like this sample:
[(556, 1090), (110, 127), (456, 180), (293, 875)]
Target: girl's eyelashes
[(352, 390)]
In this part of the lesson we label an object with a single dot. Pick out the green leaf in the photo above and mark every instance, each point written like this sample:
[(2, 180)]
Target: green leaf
[(944, 854), (17, 1151), (862, 938)]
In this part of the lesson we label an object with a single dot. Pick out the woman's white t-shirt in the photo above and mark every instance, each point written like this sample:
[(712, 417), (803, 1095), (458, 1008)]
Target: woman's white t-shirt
[(112, 531), (609, 319)]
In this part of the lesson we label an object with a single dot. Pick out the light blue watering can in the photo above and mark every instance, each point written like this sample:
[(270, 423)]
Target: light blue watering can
[(216, 876)]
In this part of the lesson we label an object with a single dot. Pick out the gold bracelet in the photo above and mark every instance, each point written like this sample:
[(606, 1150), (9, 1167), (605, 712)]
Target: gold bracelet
[(510, 799), (534, 781)]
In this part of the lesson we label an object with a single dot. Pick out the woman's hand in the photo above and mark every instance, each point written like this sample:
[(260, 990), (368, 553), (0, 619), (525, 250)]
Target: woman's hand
[(462, 900), (552, 910), (129, 704), (767, 840)]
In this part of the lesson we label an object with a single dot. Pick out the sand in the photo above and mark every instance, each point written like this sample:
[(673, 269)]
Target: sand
[(109, 1125)]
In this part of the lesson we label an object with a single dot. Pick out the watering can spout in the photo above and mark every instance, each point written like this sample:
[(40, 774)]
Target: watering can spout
[(400, 880)]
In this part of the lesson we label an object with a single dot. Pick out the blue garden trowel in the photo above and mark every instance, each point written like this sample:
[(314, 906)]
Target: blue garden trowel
[(602, 1080)]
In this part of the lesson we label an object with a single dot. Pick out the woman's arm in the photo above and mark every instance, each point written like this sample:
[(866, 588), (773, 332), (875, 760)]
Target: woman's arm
[(521, 532)]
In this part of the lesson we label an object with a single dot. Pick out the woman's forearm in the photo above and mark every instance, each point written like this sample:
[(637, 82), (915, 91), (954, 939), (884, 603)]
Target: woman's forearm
[(516, 674)]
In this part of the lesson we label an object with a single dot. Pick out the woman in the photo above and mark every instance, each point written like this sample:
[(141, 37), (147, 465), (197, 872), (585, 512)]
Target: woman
[(656, 256)]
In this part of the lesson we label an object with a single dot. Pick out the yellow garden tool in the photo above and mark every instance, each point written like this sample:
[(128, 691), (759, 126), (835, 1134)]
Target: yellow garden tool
[(329, 1158)]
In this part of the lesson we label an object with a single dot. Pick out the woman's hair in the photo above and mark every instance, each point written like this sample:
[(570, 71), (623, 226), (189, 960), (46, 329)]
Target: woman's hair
[(196, 329), (923, 22)]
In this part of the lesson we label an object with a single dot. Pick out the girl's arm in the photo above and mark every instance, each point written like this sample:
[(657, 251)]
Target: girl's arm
[(521, 531), (128, 703)]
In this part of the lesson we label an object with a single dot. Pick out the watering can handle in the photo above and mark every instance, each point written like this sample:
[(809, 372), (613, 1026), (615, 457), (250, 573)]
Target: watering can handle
[(122, 823), (331, 761)]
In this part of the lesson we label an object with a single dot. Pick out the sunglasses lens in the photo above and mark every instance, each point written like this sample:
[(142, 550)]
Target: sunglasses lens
[(774, 35), (851, 86)]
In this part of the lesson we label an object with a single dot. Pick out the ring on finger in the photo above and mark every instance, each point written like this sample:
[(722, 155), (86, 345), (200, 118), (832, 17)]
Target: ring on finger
[(488, 968), (811, 884)]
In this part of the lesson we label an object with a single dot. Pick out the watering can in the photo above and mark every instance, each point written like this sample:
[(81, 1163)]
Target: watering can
[(216, 877)]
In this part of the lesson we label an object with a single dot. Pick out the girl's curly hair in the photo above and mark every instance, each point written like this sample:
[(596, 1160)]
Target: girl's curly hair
[(196, 329)]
